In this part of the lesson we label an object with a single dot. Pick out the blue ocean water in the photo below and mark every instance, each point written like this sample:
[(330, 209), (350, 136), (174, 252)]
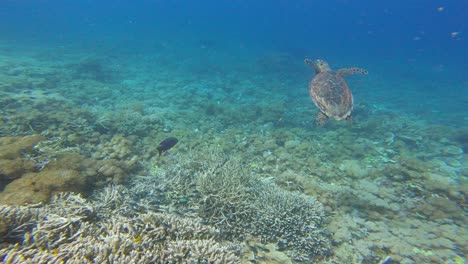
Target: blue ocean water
[(416, 43), (96, 76)]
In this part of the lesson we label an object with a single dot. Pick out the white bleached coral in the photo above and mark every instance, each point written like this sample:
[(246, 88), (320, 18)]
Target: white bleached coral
[(72, 230), (241, 204), (293, 220)]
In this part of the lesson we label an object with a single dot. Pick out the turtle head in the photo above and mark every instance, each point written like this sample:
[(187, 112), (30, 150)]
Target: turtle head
[(321, 66)]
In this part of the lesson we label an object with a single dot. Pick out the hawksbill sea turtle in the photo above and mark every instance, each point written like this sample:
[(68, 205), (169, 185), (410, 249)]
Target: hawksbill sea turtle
[(330, 92)]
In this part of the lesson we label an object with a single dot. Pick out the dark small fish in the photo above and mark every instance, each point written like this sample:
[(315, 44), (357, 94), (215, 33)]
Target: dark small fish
[(167, 144), (386, 260)]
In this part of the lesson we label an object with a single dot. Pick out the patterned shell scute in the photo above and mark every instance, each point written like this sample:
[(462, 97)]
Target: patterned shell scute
[(331, 95)]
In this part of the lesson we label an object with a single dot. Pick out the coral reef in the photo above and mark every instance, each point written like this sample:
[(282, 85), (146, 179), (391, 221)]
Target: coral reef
[(395, 181), (293, 220), (255, 252), (71, 229), (32, 175), (227, 194), (14, 153), (461, 136), (219, 190), (119, 148), (129, 120), (95, 68)]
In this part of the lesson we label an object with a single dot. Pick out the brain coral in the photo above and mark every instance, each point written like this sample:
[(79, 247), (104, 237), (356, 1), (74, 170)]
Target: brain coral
[(68, 172)]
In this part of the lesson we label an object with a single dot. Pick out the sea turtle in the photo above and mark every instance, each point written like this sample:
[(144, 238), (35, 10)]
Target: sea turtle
[(330, 92)]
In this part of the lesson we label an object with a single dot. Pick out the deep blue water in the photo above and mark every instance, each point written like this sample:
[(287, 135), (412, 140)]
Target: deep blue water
[(414, 48), (368, 29)]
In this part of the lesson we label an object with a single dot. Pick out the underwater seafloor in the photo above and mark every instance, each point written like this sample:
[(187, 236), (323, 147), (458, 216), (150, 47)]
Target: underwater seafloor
[(253, 179)]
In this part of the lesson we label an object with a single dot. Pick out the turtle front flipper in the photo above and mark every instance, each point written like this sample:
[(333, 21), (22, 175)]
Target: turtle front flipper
[(349, 71), (321, 119)]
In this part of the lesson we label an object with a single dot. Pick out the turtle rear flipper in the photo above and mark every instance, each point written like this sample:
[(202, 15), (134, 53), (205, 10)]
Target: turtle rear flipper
[(321, 119), (349, 71)]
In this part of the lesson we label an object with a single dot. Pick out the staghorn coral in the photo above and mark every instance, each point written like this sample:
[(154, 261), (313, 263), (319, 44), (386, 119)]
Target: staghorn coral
[(73, 230), (292, 220), (241, 204), (232, 203), (216, 189), (223, 193), (226, 194), (64, 212)]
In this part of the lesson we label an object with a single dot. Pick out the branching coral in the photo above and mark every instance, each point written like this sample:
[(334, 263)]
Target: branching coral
[(226, 193), (121, 224), (223, 202), (71, 229), (58, 219), (291, 219), (241, 204)]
